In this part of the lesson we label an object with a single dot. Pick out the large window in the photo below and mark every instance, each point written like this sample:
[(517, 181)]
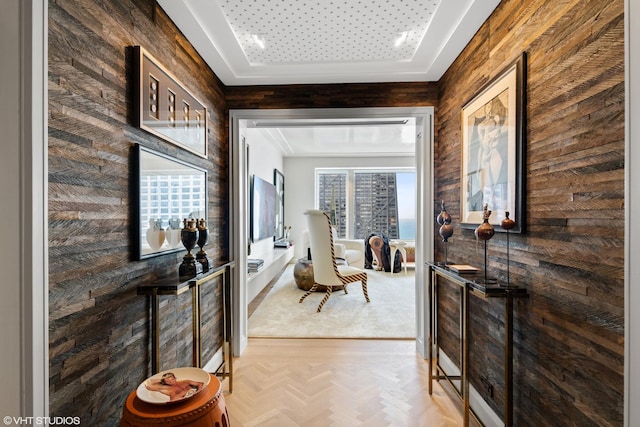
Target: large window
[(363, 201)]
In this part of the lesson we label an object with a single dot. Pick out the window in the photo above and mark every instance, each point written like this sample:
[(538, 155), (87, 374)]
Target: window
[(332, 193), (361, 201)]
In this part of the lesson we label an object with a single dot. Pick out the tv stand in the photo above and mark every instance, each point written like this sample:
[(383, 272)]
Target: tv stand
[(274, 262)]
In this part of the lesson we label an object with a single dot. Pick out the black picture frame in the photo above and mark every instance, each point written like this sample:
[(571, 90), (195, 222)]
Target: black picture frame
[(278, 181), (167, 190), (164, 108), (493, 154)]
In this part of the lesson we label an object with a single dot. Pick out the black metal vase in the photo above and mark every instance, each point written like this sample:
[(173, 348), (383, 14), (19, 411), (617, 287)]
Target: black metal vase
[(189, 268), (203, 238)]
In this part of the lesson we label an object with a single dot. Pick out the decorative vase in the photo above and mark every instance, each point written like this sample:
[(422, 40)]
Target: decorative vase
[(485, 232), (443, 216), (203, 237), (507, 224), (173, 233), (155, 234), (189, 267), (446, 229)]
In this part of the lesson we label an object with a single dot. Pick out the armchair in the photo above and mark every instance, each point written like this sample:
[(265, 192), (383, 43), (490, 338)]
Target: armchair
[(350, 250), (326, 272)]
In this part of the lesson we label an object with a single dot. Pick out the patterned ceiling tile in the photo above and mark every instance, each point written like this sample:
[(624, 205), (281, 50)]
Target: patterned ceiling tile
[(306, 31)]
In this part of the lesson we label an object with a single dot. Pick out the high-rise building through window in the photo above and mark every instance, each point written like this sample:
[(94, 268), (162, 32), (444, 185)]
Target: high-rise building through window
[(361, 202), (376, 204), (332, 199)]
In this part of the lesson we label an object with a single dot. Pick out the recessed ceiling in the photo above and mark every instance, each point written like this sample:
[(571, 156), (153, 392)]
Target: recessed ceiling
[(281, 32), (372, 137), (256, 42)]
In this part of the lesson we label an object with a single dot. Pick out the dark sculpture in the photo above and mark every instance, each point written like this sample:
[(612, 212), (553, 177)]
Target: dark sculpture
[(383, 251)]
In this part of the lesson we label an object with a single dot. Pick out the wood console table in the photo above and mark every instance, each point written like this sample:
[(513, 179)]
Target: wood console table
[(225, 369), (470, 284)]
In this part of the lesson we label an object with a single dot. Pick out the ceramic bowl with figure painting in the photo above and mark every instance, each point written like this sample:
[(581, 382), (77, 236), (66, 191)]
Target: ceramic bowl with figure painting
[(173, 385)]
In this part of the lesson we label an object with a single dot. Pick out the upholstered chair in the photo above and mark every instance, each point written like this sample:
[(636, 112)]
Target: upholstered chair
[(349, 250), (326, 271)]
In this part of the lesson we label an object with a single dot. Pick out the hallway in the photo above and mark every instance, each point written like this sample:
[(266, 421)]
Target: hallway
[(336, 382)]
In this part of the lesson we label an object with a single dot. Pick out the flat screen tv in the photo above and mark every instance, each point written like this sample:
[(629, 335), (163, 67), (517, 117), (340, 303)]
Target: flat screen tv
[(263, 209)]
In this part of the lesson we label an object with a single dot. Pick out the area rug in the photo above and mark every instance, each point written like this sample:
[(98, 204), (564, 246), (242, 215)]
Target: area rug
[(390, 314)]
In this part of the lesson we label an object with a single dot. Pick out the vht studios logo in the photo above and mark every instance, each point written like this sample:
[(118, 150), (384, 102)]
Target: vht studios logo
[(41, 421)]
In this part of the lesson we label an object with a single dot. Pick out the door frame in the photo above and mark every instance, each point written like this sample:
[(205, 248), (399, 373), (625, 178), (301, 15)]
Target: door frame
[(24, 256), (239, 207)]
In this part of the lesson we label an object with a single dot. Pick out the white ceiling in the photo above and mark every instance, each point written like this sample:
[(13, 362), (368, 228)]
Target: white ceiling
[(337, 137), (271, 42), (328, 41)]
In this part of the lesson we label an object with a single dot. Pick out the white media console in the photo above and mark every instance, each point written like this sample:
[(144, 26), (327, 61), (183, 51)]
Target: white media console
[(274, 262)]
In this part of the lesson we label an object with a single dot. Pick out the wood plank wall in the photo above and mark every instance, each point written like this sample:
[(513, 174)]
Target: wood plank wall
[(568, 358), (350, 95), (99, 328)]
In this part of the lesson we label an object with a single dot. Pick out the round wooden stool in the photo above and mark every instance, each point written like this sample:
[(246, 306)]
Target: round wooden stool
[(205, 409), (303, 275)]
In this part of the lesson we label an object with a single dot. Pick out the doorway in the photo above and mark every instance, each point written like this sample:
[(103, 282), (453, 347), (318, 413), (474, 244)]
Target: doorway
[(239, 206)]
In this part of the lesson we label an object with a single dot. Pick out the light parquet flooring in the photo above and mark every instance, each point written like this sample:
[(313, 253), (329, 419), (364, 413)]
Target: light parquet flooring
[(336, 382)]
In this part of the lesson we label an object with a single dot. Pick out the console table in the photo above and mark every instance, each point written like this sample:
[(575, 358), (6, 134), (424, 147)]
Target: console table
[(154, 290), (470, 284)]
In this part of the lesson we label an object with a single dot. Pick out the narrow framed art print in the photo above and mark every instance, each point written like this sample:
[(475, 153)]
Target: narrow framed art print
[(493, 140), (278, 181), (165, 108)]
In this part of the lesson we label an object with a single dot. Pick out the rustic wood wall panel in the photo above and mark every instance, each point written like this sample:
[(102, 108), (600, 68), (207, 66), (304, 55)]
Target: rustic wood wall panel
[(99, 328), (333, 95), (568, 357)]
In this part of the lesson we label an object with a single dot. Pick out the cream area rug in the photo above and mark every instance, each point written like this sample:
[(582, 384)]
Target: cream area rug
[(390, 314)]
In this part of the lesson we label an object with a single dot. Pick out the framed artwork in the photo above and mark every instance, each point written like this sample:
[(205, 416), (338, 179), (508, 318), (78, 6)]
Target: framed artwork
[(165, 108), (278, 181), (493, 139)]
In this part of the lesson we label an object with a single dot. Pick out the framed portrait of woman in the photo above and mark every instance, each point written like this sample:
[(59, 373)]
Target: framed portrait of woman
[(493, 137)]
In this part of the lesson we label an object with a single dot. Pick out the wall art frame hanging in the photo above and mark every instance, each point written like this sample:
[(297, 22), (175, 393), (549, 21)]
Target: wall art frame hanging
[(278, 181), (493, 141), (165, 108), (165, 191)]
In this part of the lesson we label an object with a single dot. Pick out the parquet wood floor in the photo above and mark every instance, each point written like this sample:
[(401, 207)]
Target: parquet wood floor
[(336, 382)]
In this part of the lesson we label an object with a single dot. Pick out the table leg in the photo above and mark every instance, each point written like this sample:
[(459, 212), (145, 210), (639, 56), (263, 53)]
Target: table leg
[(431, 326), (392, 261), (508, 360), (228, 301), (465, 352), (195, 314), (155, 332)]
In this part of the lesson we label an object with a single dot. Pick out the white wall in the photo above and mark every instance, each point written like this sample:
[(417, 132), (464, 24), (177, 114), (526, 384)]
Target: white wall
[(10, 206), (299, 185), (264, 157)]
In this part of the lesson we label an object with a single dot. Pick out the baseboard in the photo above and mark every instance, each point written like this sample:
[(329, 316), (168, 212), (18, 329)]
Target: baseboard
[(480, 407), (215, 361), (421, 347)]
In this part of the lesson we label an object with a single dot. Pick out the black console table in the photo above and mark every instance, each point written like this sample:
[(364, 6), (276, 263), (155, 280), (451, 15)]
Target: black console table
[(225, 369), (470, 284)]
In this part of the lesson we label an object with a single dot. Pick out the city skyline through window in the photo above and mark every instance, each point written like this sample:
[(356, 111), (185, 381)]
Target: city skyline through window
[(361, 202)]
